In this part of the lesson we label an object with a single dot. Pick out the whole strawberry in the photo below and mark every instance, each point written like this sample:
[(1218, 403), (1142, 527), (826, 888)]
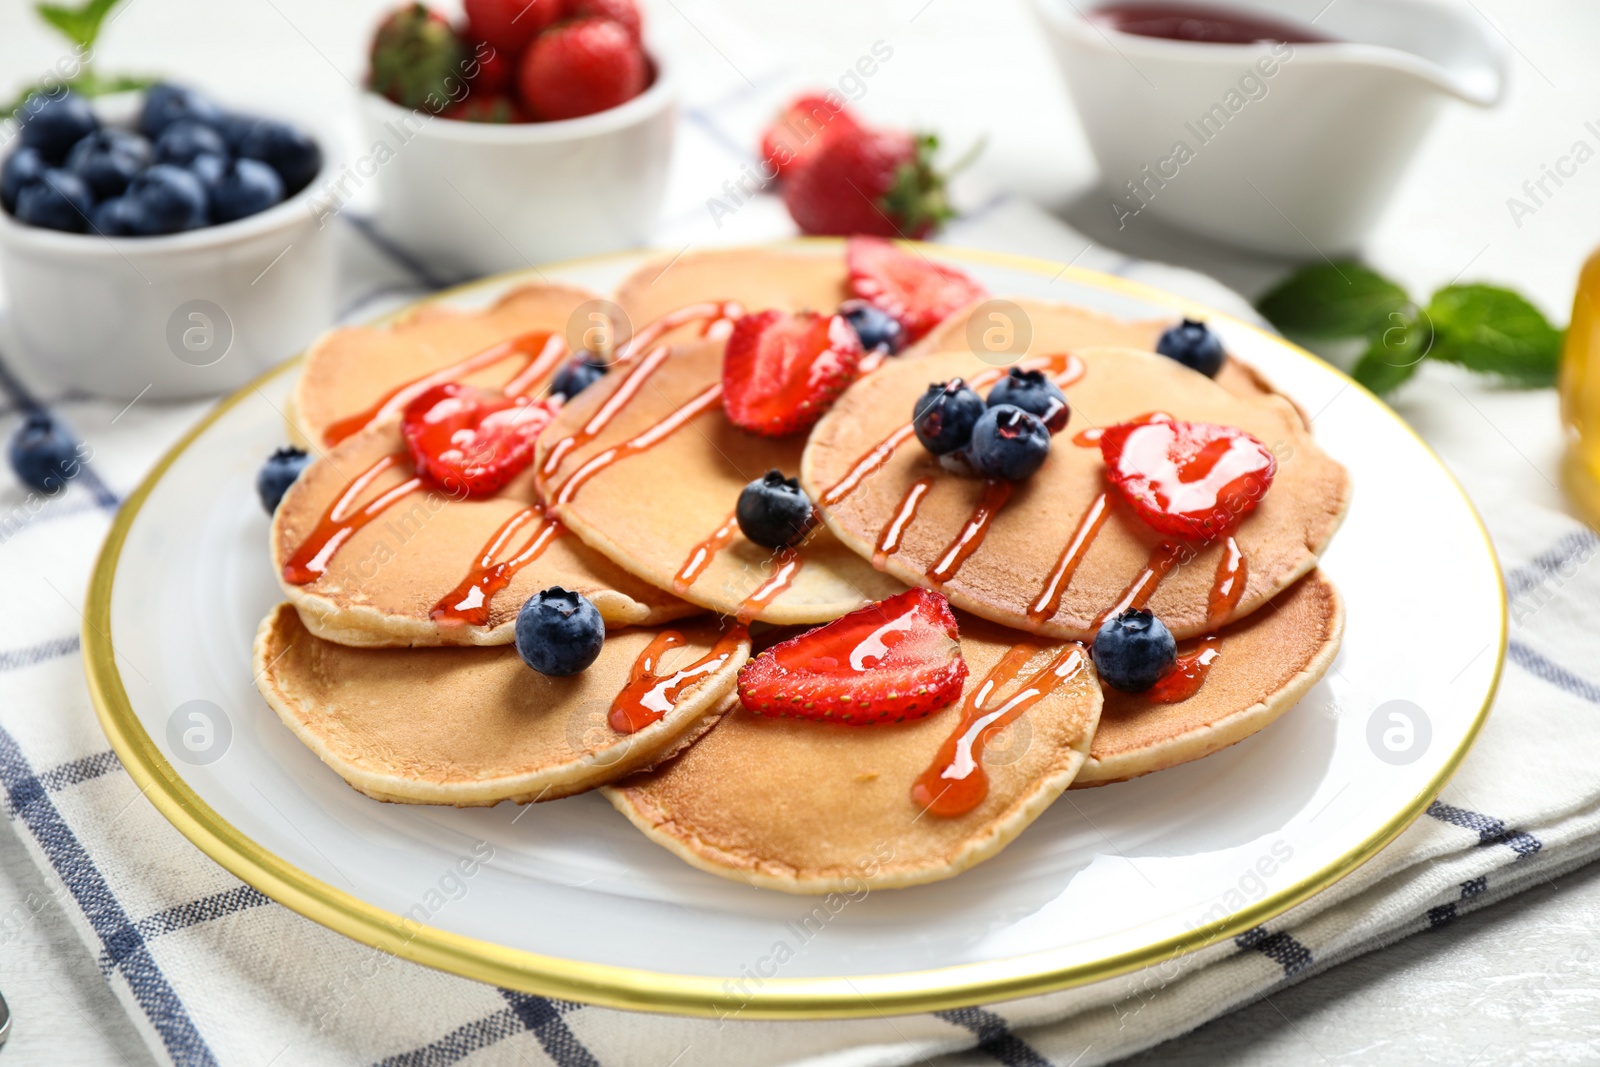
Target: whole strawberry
[(581, 67), (415, 54), (508, 25), (622, 12), (876, 182)]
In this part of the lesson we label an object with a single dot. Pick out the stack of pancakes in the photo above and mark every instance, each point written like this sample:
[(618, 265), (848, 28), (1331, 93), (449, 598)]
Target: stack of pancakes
[(629, 501)]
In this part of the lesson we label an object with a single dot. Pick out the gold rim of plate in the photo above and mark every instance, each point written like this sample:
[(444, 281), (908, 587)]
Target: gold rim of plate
[(632, 988)]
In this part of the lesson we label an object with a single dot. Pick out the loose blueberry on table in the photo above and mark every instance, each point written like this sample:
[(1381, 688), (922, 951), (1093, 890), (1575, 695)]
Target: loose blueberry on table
[(189, 164), (43, 454), (774, 512), (1133, 650), (559, 632), (278, 473), (1194, 345)]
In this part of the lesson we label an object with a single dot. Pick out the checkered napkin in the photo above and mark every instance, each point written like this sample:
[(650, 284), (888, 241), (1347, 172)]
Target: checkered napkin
[(212, 972)]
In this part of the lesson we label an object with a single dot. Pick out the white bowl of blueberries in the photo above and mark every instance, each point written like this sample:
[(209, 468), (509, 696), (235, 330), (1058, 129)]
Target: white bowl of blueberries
[(159, 244)]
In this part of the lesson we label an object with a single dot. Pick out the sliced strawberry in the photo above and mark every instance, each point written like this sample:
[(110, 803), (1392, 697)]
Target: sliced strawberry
[(802, 128), (469, 441), (1190, 480), (895, 660), (780, 372), (918, 293)]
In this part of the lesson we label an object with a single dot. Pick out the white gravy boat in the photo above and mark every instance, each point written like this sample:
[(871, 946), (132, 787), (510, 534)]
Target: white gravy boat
[(1287, 149)]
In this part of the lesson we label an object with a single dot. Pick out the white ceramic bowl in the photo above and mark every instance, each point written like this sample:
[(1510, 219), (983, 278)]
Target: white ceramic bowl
[(185, 315), (471, 198), (1289, 149)]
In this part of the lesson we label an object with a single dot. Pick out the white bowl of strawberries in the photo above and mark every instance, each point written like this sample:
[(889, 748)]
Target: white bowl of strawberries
[(535, 131)]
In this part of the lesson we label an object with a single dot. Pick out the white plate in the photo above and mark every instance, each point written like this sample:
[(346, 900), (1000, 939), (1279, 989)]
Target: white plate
[(572, 901)]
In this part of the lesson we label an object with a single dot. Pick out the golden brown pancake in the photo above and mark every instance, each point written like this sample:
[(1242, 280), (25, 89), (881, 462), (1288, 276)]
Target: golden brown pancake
[(757, 278), (809, 807), (1267, 662), (650, 511), (381, 585), (1012, 567), (988, 325), (473, 727), (351, 369)]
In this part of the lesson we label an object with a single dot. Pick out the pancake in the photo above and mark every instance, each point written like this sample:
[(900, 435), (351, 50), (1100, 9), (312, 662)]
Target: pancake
[(473, 727), (809, 807), (650, 512), (1015, 566), (352, 369), (381, 585), (1266, 664), (1049, 326), (757, 278)]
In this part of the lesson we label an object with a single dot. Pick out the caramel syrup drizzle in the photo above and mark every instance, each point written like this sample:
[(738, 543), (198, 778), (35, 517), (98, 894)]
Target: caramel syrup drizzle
[(468, 602), (700, 558), (1189, 673), (541, 351), (1055, 587), (718, 316), (995, 494), (785, 565), (956, 782), (342, 519), (648, 697), (895, 528), (1064, 369)]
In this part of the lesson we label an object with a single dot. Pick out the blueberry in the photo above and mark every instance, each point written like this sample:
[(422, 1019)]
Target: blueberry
[(185, 139), (278, 473), (110, 218), (243, 187), (57, 201), (1034, 393), (43, 454), (572, 379), (944, 416), (1133, 651), (876, 329), (53, 122), (1009, 443), (1194, 345), (165, 199), (234, 127), (108, 159), (209, 168), (166, 103), (558, 632), (774, 511), (22, 167), (286, 150)]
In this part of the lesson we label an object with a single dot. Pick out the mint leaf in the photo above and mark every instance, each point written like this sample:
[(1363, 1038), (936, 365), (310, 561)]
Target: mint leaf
[(80, 25), (1494, 331), (1394, 355), (1333, 300)]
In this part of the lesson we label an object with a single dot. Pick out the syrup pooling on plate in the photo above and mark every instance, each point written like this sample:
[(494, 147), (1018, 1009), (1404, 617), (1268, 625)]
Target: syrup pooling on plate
[(955, 783), (648, 697), (342, 519), (540, 350), (468, 602), (1063, 368)]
